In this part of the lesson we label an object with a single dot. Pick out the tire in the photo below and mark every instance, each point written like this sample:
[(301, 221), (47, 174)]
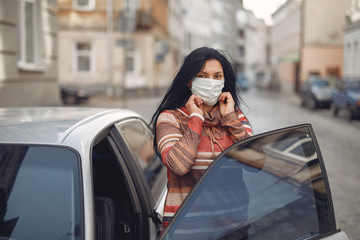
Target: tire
[(303, 102), (312, 103), (349, 114), (70, 99), (335, 110)]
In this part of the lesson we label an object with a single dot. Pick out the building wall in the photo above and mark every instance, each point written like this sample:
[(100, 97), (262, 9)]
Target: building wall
[(287, 72), (21, 83), (321, 60), (286, 30), (323, 25), (159, 9), (99, 59), (262, 40), (223, 24), (252, 48), (251, 45), (176, 33), (196, 22), (286, 42), (352, 40), (120, 59), (322, 37)]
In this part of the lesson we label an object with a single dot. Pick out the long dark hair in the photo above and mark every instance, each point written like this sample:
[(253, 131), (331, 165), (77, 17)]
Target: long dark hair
[(178, 93)]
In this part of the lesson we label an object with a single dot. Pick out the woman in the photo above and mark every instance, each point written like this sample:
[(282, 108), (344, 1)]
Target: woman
[(198, 118)]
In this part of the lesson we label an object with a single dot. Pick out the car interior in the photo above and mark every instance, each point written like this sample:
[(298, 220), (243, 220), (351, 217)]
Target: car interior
[(113, 206)]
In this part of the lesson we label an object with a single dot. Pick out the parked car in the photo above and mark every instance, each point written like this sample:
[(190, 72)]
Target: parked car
[(242, 82), (83, 173), (346, 96), (316, 92), (78, 173), (73, 95), (263, 82)]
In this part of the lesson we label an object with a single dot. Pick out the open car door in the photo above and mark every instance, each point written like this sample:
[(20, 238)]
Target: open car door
[(270, 186)]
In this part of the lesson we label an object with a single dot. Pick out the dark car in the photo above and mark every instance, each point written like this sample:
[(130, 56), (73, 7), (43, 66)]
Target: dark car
[(316, 92), (73, 95), (79, 173), (346, 96)]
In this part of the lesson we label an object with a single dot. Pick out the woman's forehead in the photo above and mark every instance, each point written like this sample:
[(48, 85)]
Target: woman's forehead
[(212, 65)]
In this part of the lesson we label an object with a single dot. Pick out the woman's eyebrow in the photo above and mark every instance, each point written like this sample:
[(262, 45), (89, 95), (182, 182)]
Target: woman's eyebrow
[(215, 72)]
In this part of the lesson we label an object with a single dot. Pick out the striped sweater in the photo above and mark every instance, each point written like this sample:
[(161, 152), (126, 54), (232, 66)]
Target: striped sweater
[(188, 144)]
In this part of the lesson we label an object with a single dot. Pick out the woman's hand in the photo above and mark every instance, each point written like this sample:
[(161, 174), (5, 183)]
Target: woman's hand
[(226, 103), (194, 105)]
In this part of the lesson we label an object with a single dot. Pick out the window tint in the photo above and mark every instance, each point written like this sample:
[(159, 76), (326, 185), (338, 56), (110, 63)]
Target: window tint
[(40, 193), (140, 141), (259, 192)]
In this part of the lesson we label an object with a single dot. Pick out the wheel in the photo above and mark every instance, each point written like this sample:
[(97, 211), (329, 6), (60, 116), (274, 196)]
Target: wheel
[(70, 99), (303, 102), (349, 114), (335, 110), (312, 103)]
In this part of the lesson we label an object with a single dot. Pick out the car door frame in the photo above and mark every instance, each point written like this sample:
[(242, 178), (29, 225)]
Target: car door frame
[(138, 179), (253, 138)]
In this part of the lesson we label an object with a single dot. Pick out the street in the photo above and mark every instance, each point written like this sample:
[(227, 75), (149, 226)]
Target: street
[(338, 140)]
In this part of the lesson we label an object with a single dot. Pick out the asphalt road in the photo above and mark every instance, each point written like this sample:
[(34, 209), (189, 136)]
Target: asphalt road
[(338, 140)]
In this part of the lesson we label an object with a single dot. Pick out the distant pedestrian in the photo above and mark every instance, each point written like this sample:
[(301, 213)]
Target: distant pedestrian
[(198, 118)]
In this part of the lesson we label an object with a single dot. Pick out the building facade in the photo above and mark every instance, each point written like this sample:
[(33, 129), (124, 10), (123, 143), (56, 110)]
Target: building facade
[(223, 24), (352, 40), (196, 25), (113, 45), (251, 54), (322, 38), (28, 53), (176, 32), (286, 43)]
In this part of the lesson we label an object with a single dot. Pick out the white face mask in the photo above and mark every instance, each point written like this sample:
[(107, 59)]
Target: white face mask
[(207, 89)]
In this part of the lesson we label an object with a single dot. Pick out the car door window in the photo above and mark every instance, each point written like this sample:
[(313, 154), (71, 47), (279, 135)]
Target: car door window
[(139, 140), (270, 186), (110, 184), (40, 193)]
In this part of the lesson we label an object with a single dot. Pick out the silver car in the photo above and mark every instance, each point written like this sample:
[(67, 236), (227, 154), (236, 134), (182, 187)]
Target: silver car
[(78, 173)]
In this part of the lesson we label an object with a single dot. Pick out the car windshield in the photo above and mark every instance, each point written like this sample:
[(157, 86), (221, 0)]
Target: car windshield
[(321, 83), (39, 193)]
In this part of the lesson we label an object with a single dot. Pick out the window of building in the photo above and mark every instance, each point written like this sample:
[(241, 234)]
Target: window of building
[(30, 41), (130, 56), (83, 57), (84, 5)]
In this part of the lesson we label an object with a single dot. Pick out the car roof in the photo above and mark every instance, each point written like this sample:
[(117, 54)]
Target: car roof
[(55, 125)]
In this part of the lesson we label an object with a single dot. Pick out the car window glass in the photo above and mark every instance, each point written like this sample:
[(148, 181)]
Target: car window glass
[(256, 191), (40, 193), (321, 83), (140, 141), (354, 86)]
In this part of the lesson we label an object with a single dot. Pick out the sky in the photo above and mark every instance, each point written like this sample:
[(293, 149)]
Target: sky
[(263, 8)]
